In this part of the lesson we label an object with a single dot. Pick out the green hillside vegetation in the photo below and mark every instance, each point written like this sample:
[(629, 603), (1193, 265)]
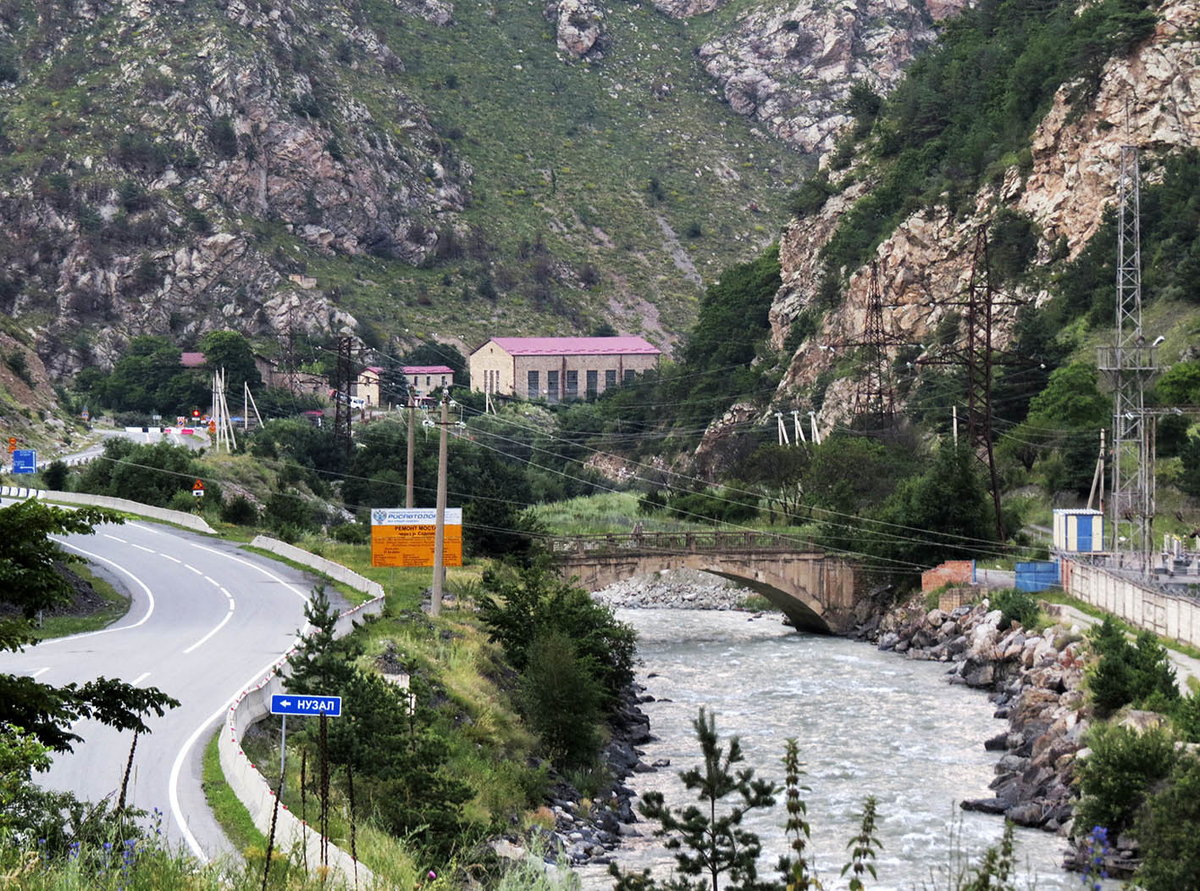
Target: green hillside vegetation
[(596, 192)]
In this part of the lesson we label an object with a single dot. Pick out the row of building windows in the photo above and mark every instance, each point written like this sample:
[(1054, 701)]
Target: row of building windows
[(533, 387)]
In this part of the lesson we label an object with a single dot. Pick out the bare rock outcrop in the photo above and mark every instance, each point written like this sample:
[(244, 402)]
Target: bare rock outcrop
[(579, 27), (1064, 192), (792, 68), (180, 219)]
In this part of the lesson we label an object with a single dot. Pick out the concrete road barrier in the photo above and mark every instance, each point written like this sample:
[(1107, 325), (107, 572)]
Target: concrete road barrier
[(248, 783), (335, 571), (179, 518)]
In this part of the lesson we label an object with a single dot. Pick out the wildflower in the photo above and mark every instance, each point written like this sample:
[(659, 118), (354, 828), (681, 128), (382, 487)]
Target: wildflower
[(432, 874), (73, 851)]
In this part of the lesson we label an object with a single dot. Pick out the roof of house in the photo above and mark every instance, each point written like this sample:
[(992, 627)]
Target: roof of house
[(574, 346), (191, 360), (374, 369), (428, 369)]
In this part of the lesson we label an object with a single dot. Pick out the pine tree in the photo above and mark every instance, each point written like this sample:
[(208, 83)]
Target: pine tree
[(709, 844), (320, 664)]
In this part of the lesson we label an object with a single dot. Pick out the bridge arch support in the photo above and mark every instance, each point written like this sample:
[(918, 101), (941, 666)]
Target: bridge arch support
[(814, 592)]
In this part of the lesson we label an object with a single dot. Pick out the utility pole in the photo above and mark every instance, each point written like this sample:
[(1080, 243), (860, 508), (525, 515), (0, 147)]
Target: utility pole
[(797, 427), (223, 438), (781, 429), (408, 468), (341, 409), (439, 533)]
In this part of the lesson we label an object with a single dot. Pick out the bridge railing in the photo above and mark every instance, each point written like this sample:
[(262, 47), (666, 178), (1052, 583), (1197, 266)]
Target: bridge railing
[(715, 540)]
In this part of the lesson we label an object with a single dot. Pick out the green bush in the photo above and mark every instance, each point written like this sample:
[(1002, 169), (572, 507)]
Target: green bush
[(240, 511), (712, 506), (55, 476), (560, 696), (1116, 777), (1140, 674), (519, 606), (1016, 606), (1168, 832), (652, 502), (351, 533)]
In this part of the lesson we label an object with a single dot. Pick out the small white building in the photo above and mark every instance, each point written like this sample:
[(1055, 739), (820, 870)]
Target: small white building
[(1078, 531)]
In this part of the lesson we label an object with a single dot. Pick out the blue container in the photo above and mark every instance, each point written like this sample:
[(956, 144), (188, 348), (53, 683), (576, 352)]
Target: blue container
[(1037, 576)]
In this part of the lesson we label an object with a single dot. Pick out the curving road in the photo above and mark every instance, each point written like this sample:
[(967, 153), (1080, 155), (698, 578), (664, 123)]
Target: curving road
[(207, 620)]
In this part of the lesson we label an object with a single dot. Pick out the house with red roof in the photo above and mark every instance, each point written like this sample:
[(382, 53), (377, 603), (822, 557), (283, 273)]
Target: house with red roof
[(424, 379), (559, 368)]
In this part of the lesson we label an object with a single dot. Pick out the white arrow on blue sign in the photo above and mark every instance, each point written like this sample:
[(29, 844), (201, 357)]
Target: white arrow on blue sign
[(289, 704)]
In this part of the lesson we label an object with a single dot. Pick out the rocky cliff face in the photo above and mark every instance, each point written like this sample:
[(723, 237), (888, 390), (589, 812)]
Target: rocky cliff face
[(791, 67), (166, 161), (1064, 192)]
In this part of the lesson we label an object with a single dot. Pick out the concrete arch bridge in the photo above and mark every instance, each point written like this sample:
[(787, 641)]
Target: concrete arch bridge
[(817, 592)]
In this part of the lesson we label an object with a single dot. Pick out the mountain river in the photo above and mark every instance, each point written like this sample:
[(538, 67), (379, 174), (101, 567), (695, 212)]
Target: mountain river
[(868, 723)]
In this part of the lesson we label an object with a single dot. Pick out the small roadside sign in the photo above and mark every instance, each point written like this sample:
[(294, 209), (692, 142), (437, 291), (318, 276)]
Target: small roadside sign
[(24, 461), (288, 704), (12, 444), (85, 413), (198, 489)]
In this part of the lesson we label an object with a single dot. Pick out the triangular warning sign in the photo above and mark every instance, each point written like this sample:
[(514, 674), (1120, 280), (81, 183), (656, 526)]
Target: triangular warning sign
[(198, 485)]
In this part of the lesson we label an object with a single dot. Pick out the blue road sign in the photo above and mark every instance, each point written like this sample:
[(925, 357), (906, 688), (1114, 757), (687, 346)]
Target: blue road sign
[(287, 704), (24, 461)]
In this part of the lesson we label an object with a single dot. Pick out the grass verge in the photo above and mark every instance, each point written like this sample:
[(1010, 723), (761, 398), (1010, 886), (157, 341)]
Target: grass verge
[(230, 813), (115, 606)]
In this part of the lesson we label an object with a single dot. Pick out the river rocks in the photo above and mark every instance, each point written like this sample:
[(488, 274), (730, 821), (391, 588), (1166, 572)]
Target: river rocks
[(587, 831), (1036, 687), (680, 589)]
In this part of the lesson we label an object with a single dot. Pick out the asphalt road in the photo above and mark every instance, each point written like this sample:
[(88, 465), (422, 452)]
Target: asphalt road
[(207, 620)]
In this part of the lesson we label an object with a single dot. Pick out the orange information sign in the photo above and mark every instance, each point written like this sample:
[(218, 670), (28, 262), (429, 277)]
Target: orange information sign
[(405, 536), (12, 444)]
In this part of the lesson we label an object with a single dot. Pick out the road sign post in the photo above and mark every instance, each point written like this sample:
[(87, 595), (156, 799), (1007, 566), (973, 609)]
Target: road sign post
[(198, 489), (285, 704), (24, 461)]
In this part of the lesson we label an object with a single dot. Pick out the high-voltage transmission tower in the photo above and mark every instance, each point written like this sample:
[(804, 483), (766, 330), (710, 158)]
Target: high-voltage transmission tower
[(1130, 364), (874, 397), (341, 396), (978, 359)]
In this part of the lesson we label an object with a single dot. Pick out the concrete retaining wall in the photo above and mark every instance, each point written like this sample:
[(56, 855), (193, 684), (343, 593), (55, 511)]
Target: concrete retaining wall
[(1165, 614), (253, 790), (335, 571), (179, 518)]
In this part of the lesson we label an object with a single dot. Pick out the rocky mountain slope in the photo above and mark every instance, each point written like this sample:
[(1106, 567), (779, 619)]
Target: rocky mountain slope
[(398, 168), (1060, 190)]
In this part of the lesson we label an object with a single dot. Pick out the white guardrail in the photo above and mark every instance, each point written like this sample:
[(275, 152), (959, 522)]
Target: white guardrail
[(178, 517)]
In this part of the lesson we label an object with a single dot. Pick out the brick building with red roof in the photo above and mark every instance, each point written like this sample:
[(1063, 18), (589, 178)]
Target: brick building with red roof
[(559, 368)]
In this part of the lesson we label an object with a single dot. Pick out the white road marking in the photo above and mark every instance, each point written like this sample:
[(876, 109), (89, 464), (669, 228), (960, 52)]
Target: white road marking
[(177, 767), (40, 672), (172, 559), (140, 548), (117, 566), (212, 581), (193, 569), (220, 625), (114, 538), (141, 677), (145, 528)]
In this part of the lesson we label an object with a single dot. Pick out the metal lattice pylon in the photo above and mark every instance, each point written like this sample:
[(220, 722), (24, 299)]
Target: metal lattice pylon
[(875, 398), (1130, 364), (978, 358)]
